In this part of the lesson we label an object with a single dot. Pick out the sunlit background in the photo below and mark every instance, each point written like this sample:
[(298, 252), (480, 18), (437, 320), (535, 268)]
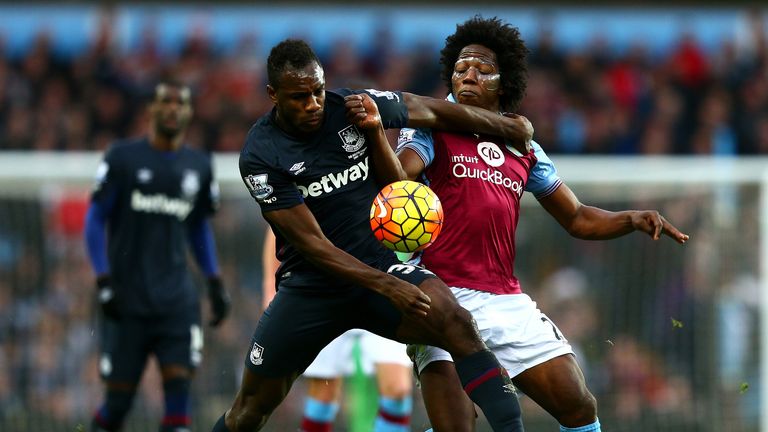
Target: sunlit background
[(658, 107)]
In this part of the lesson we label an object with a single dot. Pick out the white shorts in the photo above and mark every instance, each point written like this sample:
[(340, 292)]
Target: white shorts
[(512, 327), (337, 358)]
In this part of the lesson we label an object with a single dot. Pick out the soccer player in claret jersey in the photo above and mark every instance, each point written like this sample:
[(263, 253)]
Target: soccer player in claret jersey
[(480, 180), (314, 165), (152, 198)]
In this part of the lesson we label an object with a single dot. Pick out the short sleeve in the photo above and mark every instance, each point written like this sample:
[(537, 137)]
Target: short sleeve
[(418, 140), (392, 108), (543, 179), (106, 181), (268, 185), (211, 198)]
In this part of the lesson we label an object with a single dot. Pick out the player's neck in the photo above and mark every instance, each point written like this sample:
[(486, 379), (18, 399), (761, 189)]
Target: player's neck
[(165, 143), (289, 130)]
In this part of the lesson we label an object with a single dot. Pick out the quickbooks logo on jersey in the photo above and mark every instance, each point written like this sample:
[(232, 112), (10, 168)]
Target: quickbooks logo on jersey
[(492, 155), (160, 204), (331, 182)]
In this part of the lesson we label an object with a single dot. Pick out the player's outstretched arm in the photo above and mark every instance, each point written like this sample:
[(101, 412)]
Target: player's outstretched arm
[(426, 112), (299, 227), (363, 112), (593, 223)]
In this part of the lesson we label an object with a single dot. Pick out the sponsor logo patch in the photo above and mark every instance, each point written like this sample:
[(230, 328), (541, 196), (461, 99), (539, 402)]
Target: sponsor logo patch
[(406, 135), (257, 185), (297, 168), (333, 181), (491, 153)]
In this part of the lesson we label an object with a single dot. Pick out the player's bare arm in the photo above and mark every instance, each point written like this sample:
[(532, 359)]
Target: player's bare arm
[(411, 163), (269, 264), (593, 223), (363, 112), (426, 112), (300, 228)]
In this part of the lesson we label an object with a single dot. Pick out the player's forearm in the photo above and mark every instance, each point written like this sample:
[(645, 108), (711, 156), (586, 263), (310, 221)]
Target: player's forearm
[(95, 239), (440, 114), (326, 256), (204, 247), (386, 165), (593, 223)]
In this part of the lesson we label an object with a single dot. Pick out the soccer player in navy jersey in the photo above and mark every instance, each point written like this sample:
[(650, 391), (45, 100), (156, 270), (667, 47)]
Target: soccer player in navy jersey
[(480, 179), (152, 200), (314, 165), (385, 358)]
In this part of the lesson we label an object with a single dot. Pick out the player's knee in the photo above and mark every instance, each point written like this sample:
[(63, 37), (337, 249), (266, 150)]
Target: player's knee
[(251, 413), (580, 411), (396, 389), (461, 335)]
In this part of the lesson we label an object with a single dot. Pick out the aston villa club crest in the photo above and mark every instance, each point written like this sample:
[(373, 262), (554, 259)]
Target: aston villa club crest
[(351, 138)]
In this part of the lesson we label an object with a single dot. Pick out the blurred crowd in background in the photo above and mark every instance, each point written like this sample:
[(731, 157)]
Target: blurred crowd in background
[(666, 334), (685, 100)]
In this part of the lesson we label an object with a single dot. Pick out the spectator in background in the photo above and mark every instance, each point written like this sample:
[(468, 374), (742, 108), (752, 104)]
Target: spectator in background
[(587, 100)]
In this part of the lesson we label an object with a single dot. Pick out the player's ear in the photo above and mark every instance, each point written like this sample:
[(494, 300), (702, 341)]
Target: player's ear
[(272, 93)]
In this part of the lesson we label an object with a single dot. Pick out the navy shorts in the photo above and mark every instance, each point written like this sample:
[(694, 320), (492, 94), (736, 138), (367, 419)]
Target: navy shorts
[(305, 316), (175, 339)]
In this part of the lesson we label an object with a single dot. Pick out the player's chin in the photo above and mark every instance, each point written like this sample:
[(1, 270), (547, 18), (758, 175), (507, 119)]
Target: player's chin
[(310, 126), (170, 130), (469, 99)]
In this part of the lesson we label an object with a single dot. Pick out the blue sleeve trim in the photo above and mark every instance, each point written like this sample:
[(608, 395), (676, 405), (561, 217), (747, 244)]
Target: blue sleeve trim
[(543, 178), (204, 247), (420, 141), (96, 239)]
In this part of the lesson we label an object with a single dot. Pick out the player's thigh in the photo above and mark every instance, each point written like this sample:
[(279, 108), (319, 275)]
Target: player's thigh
[(518, 333), (293, 330), (124, 350), (178, 341), (557, 385), (447, 324)]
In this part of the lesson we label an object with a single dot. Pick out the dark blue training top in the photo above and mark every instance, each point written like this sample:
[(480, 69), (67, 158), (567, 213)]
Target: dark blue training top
[(331, 172), (151, 199)]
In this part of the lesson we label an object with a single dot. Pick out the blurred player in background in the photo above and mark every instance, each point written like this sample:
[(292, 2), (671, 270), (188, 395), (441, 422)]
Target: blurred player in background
[(314, 165), (386, 358), (480, 180), (152, 199)]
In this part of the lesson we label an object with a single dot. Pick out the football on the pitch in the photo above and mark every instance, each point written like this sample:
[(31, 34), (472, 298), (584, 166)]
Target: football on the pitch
[(406, 216)]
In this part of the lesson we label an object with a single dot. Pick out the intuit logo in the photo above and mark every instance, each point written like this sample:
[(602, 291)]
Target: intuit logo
[(160, 204), (330, 182)]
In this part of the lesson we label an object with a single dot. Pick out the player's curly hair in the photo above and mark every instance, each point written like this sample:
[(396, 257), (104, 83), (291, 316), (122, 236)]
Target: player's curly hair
[(288, 54), (502, 39)]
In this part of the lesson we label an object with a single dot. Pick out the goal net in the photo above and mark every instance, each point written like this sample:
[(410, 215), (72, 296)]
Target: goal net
[(670, 337)]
